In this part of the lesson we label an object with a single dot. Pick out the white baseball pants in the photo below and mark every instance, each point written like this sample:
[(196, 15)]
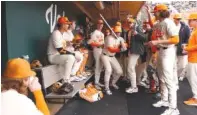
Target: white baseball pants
[(111, 65), (123, 61), (181, 65), (192, 77), (98, 65), (176, 81), (132, 61), (77, 64), (141, 70), (165, 68), (66, 60)]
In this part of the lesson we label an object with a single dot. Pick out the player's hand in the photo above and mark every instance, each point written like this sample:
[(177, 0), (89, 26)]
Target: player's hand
[(153, 43), (184, 47), (135, 32), (34, 84)]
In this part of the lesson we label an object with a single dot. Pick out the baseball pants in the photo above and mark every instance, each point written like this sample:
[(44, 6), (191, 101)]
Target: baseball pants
[(111, 65), (181, 65), (165, 68), (132, 61), (192, 77), (66, 60), (98, 65)]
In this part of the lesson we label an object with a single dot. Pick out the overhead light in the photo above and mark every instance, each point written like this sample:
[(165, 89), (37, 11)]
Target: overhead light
[(99, 5)]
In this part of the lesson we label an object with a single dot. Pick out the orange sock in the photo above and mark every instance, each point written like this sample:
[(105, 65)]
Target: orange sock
[(83, 64)]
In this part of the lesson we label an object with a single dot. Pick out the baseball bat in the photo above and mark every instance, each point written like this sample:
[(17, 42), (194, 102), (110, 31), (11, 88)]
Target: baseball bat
[(108, 25)]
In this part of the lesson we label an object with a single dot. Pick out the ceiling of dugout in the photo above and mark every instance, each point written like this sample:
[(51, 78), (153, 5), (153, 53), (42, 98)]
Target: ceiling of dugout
[(109, 9)]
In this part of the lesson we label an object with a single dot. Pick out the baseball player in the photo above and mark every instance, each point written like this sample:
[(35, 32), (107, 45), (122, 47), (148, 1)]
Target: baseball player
[(122, 56), (135, 40), (167, 36), (97, 42), (68, 37), (192, 59), (112, 45), (56, 52), (78, 42)]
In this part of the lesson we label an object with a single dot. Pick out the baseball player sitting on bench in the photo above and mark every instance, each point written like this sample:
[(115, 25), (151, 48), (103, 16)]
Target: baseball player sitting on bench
[(56, 52), (68, 37)]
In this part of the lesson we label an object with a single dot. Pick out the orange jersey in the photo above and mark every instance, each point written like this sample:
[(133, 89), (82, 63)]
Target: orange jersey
[(192, 47)]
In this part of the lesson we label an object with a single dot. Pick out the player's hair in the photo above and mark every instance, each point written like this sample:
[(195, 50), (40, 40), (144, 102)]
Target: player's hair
[(164, 14), (16, 84)]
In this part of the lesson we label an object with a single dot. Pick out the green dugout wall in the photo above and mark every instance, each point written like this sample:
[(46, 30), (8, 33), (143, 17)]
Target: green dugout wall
[(26, 26)]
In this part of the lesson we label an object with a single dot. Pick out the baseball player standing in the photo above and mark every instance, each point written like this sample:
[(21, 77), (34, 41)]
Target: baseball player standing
[(167, 36), (112, 45), (192, 58), (97, 42)]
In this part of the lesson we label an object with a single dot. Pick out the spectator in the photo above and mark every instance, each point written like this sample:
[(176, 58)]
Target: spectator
[(184, 34), (16, 79)]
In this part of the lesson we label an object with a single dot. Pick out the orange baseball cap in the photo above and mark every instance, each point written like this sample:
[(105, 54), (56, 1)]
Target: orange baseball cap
[(100, 21), (18, 68), (160, 7), (78, 37), (193, 16), (63, 20), (131, 20), (177, 16), (118, 23), (117, 29)]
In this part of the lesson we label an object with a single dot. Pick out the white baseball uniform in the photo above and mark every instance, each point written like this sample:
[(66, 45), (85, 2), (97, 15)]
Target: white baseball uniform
[(68, 36), (166, 61), (182, 65), (97, 36), (56, 41), (110, 62)]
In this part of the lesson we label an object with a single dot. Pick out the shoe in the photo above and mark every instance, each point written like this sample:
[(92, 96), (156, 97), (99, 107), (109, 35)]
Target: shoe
[(144, 79), (191, 102), (132, 90), (181, 78), (100, 84), (157, 96), (76, 79), (108, 92), (114, 86), (171, 111), (143, 84), (161, 103), (97, 87)]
